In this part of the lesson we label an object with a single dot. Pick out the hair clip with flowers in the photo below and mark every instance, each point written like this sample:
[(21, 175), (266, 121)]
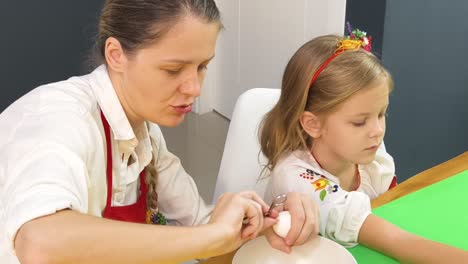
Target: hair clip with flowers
[(355, 40)]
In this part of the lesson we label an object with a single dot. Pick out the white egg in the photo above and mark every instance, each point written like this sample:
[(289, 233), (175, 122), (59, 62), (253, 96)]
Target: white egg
[(283, 225)]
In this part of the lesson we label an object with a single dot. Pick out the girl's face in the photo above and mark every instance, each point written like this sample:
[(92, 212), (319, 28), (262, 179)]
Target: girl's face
[(160, 82), (356, 129)]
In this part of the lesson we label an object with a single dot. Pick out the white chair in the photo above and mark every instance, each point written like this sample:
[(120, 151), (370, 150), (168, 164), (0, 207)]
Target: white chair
[(242, 161)]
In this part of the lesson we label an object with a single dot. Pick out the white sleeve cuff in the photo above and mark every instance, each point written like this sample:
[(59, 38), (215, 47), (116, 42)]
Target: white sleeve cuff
[(35, 206), (344, 218)]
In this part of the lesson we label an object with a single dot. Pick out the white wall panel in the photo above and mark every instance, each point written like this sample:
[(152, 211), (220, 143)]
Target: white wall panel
[(259, 38)]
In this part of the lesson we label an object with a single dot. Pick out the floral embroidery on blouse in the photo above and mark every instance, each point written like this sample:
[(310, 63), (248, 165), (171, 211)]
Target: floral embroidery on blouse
[(321, 184)]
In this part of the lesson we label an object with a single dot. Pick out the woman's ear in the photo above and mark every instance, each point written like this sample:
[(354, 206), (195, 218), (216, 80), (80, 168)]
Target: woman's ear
[(311, 124), (114, 55)]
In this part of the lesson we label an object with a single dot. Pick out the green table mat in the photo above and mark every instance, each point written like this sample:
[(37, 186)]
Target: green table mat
[(438, 212)]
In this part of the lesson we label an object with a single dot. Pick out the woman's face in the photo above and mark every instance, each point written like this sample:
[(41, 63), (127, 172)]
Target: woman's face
[(160, 82)]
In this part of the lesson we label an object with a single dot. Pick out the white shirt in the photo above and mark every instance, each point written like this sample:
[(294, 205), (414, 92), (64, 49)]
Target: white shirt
[(342, 213), (53, 156)]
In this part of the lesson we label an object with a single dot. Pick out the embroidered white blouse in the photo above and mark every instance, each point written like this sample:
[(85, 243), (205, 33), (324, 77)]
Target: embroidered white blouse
[(53, 156), (342, 213)]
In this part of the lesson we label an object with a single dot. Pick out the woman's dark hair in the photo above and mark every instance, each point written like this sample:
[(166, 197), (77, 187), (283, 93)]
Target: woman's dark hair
[(137, 23)]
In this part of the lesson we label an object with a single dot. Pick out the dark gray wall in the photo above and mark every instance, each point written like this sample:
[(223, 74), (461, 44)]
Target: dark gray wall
[(42, 42), (425, 49), (359, 15)]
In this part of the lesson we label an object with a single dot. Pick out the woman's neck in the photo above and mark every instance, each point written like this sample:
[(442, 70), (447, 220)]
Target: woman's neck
[(118, 86)]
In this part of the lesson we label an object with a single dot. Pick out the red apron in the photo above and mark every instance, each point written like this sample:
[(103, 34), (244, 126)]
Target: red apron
[(129, 213)]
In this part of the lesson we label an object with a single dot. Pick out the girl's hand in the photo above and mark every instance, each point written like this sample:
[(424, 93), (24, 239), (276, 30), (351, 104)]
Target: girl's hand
[(240, 217), (304, 222)]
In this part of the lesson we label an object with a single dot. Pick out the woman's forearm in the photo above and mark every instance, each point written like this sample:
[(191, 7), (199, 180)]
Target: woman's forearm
[(381, 235), (70, 237)]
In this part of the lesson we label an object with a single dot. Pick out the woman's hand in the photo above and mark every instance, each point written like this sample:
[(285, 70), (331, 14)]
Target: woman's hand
[(304, 222), (241, 217)]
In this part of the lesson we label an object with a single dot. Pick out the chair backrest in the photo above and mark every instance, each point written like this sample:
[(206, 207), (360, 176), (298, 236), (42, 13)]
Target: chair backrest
[(242, 161)]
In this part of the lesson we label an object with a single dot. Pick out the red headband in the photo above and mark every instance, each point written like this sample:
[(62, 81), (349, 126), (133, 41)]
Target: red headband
[(356, 40), (317, 73)]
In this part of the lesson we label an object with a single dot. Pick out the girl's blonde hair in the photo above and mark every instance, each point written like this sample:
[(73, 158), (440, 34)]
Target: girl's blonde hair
[(353, 70)]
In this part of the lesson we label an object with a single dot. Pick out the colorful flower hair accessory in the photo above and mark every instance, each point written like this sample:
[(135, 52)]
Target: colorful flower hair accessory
[(355, 40)]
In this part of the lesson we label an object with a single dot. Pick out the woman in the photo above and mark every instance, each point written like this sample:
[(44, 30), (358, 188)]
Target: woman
[(79, 154)]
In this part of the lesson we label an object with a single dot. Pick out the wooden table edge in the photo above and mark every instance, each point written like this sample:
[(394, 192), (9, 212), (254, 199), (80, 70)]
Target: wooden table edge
[(423, 179)]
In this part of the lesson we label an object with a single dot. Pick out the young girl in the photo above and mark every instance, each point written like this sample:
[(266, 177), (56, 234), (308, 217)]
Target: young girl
[(324, 138)]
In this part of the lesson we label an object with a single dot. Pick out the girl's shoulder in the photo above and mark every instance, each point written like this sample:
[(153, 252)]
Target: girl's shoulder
[(298, 167), (301, 162), (294, 160), (299, 171)]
